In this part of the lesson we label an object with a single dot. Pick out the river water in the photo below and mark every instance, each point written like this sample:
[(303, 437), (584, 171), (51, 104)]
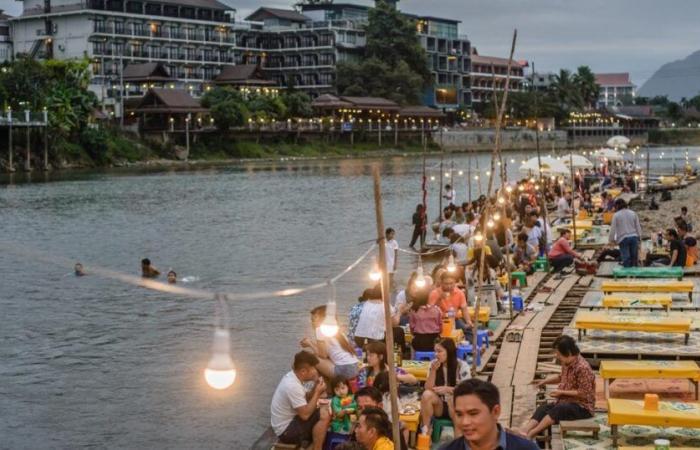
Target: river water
[(92, 362)]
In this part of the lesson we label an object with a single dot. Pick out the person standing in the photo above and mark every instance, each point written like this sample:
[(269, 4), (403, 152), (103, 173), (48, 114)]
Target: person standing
[(450, 195), (418, 226), (392, 255), (626, 231)]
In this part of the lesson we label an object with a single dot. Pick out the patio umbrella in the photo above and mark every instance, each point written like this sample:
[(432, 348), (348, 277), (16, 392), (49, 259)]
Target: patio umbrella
[(618, 142), (550, 166), (609, 154), (578, 161)]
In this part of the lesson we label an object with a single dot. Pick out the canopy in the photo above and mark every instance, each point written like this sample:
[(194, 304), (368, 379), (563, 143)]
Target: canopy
[(609, 154), (550, 166), (577, 161), (618, 142)]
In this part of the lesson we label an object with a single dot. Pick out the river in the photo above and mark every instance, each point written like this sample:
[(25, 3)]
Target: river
[(93, 362)]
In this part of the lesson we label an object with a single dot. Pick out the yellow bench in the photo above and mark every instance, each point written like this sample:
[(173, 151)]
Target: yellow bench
[(457, 336), (418, 369), (603, 321), (411, 421), (609, 286), (613, 370), (484, 313), (630, 300), (670, 414)]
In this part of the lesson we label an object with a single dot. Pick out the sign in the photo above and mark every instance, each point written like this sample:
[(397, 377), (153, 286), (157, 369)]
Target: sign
[(347, 126)]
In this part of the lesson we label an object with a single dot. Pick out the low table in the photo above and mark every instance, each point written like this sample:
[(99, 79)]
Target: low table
[(609, 286), (418, 369), (603, 321), (612, 370), (630, 300), (670, 414), (648, 272)]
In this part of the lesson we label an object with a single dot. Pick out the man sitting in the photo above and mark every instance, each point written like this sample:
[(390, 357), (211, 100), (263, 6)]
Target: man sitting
[(373, 430), (447, 297), (524, 255), (371, 397), (295, 419), (575, 395), (477, 409)]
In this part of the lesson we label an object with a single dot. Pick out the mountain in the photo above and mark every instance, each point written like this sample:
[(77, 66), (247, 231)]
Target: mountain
[(676, 79)]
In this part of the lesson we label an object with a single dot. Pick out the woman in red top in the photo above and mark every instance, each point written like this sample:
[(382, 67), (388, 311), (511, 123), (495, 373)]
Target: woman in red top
[(561, 254), (426, 323)]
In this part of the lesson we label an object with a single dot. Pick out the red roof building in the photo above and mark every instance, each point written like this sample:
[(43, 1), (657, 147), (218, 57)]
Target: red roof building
[(616, 89), (488, 75)]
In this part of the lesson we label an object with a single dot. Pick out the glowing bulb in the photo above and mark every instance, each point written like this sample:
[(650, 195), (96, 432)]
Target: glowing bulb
[(220, 372), (490, 223), (497, 216), (501, 200), (537, 187), (329, 326), (375, 274), (460, 172), (488, 173), (447, 174), (521, 188), (476, 177), (532, 180), (432, 178), (478, 237), (512, 161), (419, 282), (451, 266), (509, 189)]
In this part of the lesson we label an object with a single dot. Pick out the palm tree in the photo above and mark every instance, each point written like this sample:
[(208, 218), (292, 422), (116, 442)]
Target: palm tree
[(588, 88), (566, 91)]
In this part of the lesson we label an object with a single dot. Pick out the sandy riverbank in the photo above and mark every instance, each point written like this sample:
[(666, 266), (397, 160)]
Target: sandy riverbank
[(661, 219)]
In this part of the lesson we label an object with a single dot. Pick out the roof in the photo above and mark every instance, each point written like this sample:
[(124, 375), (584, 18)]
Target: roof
[(436, 19), (495, 61), (420, 111), (333, 6), (286, 14), (613, 79), (637, 111), (146, 72), (372, 102), (4, 16), (161, 100), (329, 101), (213, 4), (242, 74)]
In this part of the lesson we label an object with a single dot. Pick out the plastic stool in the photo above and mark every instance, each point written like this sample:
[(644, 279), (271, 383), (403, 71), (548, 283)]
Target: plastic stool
[(541, 264), (465, 349), (520, 277), (438, 425), (517, 303), (424, 356), (335, 439), (482, 338)]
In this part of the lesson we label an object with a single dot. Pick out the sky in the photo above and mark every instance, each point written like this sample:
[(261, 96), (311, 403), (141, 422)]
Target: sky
[(635, 36)]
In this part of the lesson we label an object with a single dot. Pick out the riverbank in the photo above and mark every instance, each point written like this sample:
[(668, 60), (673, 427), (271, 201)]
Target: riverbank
[(653, 221)]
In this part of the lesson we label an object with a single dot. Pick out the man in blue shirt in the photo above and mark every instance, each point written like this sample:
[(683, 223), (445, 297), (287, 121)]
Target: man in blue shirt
[(477, 408)]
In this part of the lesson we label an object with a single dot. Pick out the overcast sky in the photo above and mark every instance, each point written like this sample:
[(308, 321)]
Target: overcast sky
[(635, 36)]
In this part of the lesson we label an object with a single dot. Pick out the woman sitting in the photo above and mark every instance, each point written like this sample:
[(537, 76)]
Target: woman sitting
[(562, 255), (337, 358), (376, 364), (425, 321), (446, 371), (407, 296)]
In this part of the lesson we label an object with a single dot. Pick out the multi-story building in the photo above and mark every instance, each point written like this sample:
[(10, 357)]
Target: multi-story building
[(5, 38), (488, 75), (615, 89)]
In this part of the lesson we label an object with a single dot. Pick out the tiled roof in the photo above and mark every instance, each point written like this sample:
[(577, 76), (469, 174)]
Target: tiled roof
[(146, 72), (496, 61), (329, 101), (420, 111), (371, 102), (169, 100), (286, 14), (242, 74), (613, 79)]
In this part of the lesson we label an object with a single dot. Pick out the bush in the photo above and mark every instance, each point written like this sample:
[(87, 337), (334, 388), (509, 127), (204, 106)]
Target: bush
[(94, 142)]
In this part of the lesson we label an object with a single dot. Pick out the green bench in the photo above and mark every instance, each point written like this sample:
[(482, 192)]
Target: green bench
[(648, 272)]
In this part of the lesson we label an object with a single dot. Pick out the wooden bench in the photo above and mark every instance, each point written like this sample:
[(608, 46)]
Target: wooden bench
[(630, 300), (670, 414), (583, 425), (281, 446), (648, 272), (613, 370), (610, 286), (603, 321)]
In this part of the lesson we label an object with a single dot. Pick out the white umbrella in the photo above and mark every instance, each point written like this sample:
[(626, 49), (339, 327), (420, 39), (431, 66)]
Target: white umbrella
[(609, 154), (550, 166), (578, 161), (618, 142)]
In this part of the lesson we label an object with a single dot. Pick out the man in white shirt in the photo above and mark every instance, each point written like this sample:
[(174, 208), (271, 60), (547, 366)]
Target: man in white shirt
[(295, 419), (392, 253), (563, 207), (450, 195)]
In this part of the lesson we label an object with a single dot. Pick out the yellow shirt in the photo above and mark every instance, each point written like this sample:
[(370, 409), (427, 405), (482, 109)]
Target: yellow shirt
[(383, 444), (470, 252)]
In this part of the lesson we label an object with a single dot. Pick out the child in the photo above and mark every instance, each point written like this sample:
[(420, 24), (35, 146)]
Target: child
[(342, 405), (392, 253)]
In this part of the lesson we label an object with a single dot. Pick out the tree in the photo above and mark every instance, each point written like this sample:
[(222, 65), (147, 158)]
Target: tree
[(566, 91), (376, 78), (589, 90), (298, 104), (227, 107)]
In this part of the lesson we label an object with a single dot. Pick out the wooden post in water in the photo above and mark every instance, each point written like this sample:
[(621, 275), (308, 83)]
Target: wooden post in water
[(647, 174), (46, 140), (11, 166), (388, 334), (28, 156)]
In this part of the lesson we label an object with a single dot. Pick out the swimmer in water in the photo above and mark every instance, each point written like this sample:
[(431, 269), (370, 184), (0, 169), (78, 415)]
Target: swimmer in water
[(148, 270), (79, 271), (172, 277)]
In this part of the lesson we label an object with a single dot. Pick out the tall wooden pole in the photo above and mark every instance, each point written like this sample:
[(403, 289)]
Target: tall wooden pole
[(573, 201), (11, 166), (442, 156), (647, 177), (389, 335)]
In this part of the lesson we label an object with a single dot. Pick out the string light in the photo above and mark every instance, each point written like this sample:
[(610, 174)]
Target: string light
[(220, 372), (501, 200), (509, 189), (478, 237), (521, 188), (419, 282), (329, 326), (432, 178), (375, 274), (451, 266), (461, 172), (497, 216), (490, 223), (476, 177)]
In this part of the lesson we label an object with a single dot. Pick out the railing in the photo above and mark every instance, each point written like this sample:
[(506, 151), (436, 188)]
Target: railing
[(166, 34)]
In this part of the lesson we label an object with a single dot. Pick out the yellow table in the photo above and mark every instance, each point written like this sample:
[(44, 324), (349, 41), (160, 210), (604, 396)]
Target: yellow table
[(670, 414), (418, 369), (653, 448), (411, 421), (457, 336), (612, 370), (609, 286), (630, 300), (648, 324), (484, 313)]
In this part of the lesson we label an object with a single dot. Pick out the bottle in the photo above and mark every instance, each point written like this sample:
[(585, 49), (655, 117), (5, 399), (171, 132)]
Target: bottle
[(451, 315), (660, 239), (662, 444)]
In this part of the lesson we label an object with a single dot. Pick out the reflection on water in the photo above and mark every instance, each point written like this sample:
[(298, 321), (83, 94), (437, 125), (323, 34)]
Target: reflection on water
[(92, 362)]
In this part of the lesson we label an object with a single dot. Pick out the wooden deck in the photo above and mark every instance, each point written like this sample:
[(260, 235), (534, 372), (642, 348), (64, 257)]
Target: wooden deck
[(605, 269)]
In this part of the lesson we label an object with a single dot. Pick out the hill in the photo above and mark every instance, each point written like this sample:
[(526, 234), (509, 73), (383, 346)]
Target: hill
[(676, 79)]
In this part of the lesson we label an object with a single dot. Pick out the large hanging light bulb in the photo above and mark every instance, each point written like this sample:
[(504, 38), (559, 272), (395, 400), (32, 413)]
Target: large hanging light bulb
[(497, 216), (509, 189), (478, 237), (451, 266), (220, 372), (501, 200), (419, 281), (375, 274), (490, 223), (329, 326)]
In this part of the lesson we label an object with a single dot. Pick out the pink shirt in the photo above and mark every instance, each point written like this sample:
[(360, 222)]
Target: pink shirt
[(455, 299), (427, 320), (561, 247)]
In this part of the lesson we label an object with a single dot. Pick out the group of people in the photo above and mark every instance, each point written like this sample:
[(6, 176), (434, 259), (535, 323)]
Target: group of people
[(148, 270)]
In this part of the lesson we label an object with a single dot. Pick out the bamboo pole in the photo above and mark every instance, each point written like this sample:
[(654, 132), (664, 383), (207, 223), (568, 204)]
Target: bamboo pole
[(442, 156), (573, 200), (388, 334)]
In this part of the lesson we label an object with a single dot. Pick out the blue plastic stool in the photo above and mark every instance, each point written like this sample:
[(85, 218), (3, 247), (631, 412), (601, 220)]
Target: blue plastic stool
[(465, 349), (438, 425), (424, 356), (517, 303), (334, 439), (482, 338)]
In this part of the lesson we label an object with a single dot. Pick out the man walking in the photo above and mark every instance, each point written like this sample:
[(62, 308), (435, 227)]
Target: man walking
[(626, 231)]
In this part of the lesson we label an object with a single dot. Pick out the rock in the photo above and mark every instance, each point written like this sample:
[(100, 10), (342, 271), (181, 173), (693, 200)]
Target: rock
[(181, 153)]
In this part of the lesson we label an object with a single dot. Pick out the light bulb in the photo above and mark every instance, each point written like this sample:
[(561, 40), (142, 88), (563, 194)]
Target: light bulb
[(329, 326), (451, 267), (220, 372), (501, 200), (432, 178), (497, 216), (521, 188), (420, 278), (375, 274), (478, 237), (509, 189), (460, 173), (490, 223), (537, 187), (476, 177), (447, 174)]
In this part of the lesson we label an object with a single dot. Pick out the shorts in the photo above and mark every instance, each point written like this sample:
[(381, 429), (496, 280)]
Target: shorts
[(346, 371), (299, 431), (561, 411)]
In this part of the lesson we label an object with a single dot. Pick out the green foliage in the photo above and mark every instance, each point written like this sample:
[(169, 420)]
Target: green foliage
[(24, 84), (298, 104), (588, 89), (376, 78), (266, 107), (94, 141)]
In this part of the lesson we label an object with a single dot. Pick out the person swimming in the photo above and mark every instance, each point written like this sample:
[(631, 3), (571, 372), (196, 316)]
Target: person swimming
[(172, 277), (79, 271), (148, 270)]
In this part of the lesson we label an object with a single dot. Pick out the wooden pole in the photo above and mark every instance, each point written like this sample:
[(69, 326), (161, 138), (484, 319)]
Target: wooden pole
[(11, 166), (442, 156), (28, 156), (573, 200), (389, 335), (469, 178), (647, 175)]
